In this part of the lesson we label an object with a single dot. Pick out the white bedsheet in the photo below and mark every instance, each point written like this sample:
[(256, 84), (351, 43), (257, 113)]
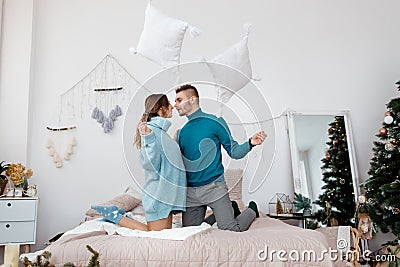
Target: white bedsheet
[(177, 233)]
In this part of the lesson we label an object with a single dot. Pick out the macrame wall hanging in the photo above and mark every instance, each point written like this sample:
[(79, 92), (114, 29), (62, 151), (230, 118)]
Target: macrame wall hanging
[(108, 87), (106, 104), (60, 144), (102, 94)]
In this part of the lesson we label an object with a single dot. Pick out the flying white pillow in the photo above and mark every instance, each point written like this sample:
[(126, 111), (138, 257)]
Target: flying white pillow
[(162, 37), (236, 59)]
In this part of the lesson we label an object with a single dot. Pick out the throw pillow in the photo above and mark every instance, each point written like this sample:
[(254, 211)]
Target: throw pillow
[(125, 201), (236, 58), (162, 37)]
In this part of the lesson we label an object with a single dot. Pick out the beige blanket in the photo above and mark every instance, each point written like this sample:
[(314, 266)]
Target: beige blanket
[(259, 246)]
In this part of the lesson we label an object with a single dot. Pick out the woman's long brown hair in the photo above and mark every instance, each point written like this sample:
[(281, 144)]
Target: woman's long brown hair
[(152, 105)]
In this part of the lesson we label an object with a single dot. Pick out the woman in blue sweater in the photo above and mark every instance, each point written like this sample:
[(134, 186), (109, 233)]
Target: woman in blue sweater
[(164, 191)]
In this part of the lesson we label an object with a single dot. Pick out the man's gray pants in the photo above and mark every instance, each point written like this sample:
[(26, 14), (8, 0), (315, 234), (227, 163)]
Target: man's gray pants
[(215, 195)]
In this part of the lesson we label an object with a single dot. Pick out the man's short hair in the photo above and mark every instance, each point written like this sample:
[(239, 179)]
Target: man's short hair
[(186, 87)]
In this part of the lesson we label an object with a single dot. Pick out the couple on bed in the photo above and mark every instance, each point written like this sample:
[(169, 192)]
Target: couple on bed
[(187, 174)]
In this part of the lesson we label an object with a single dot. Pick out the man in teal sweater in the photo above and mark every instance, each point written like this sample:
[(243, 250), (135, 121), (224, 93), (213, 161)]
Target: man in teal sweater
[(200, 141)]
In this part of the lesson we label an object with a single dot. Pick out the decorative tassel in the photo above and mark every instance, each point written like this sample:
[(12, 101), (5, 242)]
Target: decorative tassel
[(69, 149), (50, 143), (107, 122), (194, 32), (118, 110), (51, 151), (108, 125), (73, 141), (59, 163), (105, 126), (95, 113), (100, 117), (112, 115), (55, 157)]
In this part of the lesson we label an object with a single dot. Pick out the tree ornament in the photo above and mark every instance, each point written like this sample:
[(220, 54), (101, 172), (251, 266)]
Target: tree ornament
[(364, 226), (333, 222), (335, 142), (330, 130), (342, 181), (389, 146), (328, 156), (279, 209), (388, 113), (383, 131), (388, 119)]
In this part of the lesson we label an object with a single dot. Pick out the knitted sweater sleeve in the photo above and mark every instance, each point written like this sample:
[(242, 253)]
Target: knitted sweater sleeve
[(232, 147), (150, 156)]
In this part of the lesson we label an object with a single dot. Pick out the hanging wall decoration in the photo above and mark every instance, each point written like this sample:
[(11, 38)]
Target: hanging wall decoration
[(60, 144), (102, 94), (106, 110), (108, 87)]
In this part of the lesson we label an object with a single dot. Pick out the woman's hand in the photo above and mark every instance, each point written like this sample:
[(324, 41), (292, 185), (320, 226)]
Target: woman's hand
[(143, 128)]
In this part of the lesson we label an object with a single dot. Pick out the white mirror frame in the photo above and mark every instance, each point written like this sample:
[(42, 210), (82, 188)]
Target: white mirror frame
[(293, 146)]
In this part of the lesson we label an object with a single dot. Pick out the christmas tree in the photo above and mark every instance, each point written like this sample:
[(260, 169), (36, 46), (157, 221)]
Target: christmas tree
[(382, 189), (337, 198)]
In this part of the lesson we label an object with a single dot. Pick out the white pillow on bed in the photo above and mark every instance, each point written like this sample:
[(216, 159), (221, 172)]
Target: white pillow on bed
[(162, 37)]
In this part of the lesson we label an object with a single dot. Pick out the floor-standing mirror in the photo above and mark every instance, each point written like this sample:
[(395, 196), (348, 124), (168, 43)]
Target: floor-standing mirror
[(313, 149)]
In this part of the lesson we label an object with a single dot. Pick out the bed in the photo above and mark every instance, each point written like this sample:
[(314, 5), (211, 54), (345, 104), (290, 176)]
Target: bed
[(258, 246), (210, 247)]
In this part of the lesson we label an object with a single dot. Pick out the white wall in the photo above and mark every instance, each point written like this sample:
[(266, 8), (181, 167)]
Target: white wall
[(311, 55), (16, 45)]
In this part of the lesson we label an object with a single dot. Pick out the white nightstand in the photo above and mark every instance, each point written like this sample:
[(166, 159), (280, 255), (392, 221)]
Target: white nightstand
[(18, 217)]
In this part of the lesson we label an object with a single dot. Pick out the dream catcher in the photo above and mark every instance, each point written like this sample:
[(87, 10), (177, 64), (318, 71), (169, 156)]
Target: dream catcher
[(60, 144), (107, 110)]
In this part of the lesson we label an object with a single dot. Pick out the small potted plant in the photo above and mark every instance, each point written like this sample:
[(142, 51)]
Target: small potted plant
[(3, 177), (302, 203)]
